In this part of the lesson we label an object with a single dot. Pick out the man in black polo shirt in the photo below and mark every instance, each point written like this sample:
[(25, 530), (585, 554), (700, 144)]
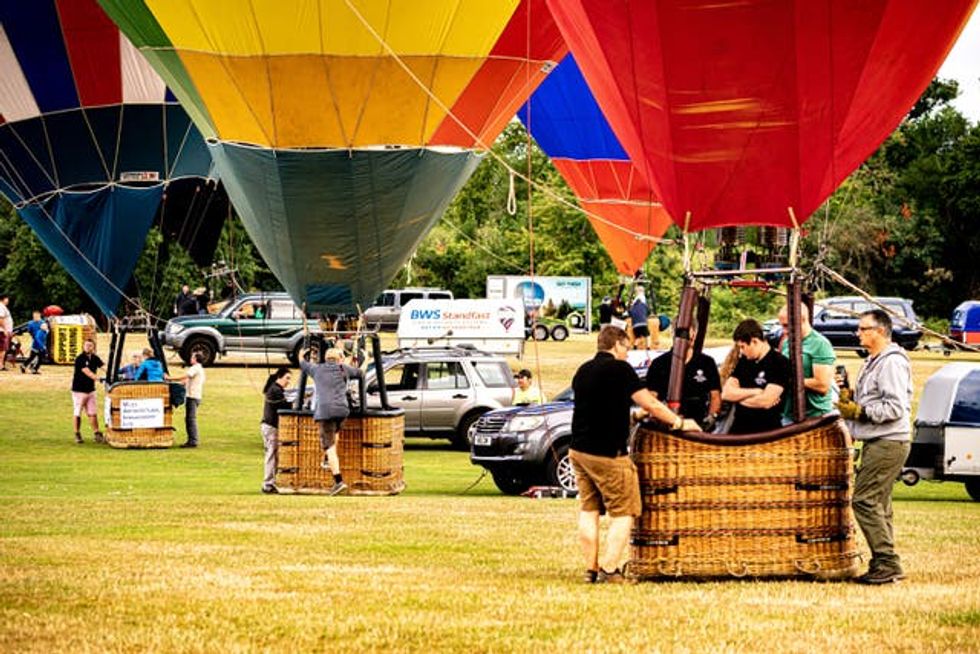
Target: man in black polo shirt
[(757, 383), (701, 398), (605, 389)]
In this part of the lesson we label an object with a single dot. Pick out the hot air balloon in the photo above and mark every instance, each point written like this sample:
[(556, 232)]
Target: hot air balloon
[(754, 112), (751, 112), (568, 124), (93, 148), (344, 129)]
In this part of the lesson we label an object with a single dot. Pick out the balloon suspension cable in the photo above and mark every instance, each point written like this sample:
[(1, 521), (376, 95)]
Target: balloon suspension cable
[(794, 239), (511, 196), (481, 144), (687, 243), (840, 279)]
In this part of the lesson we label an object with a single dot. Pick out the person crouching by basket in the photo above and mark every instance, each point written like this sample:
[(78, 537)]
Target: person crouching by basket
[(605, 389), (83, 393), (275, 399), (330, 383)]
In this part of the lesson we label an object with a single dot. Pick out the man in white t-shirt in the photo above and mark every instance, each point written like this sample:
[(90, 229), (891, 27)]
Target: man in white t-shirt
[(193, 378)]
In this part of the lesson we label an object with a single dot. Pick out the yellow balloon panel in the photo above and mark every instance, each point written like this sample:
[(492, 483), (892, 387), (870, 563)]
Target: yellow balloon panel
[(309, 100), (458, 28)]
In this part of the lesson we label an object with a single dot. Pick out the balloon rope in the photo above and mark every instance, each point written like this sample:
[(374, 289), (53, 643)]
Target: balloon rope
[(530, 187), (554, 195), (794, 239), (512, 194)]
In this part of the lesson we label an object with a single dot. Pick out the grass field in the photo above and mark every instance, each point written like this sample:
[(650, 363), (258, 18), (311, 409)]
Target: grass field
[(176, 550)]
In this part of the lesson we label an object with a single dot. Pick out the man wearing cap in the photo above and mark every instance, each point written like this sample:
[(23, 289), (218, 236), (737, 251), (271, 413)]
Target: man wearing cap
[(527, 392)]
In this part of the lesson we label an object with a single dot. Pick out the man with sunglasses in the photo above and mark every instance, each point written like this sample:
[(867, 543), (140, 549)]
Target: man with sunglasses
[(879, 417)]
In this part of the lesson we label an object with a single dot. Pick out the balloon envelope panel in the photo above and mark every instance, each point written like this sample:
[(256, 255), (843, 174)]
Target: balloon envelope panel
[(743, 112)]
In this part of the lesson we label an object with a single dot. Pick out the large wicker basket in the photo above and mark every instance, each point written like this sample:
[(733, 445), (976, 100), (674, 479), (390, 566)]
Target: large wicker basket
[(775, 504), (138, 437), (370, 448)]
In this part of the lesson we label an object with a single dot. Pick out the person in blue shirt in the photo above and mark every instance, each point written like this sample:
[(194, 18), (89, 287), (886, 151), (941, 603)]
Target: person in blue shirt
[(639, 314), (151, 369), (38, 329), (129, 371)]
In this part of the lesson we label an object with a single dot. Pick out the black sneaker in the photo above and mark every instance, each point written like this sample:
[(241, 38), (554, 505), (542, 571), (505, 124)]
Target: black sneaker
[(590, 576), (99, 437), (78, 438), (338, 489), (880, 577), (270, 490), (614, 577), (185, 445)]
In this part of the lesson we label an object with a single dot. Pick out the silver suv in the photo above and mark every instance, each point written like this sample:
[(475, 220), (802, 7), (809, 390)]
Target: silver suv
[(443, 390)]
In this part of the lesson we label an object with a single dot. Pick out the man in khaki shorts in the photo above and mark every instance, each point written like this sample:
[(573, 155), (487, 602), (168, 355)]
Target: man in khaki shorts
[(605, 389)]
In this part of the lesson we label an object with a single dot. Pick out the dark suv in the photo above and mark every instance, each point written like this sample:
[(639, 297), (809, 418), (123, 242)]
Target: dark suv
[(526, 446), (837, 319)]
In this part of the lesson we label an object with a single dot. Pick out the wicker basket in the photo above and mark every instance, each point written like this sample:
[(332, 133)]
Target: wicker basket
[(370, 448), (139, 437), (764, 505)]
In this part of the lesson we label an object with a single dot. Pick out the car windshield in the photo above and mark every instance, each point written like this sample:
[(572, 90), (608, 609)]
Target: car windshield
[(222, 306), (494, 374), (567, 395)]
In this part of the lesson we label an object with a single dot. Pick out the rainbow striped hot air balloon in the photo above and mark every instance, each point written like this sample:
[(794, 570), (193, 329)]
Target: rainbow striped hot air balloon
[(569, 125), (93, 147), (344, 128)]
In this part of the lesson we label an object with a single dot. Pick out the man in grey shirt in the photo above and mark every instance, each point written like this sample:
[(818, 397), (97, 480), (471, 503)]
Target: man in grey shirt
[(330, 382), (879, 416)]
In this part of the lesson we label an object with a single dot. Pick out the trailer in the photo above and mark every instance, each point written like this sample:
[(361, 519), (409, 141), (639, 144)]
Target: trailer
[(946, 442)]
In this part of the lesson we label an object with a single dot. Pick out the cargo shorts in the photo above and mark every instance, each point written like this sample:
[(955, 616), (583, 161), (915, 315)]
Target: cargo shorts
[(610, 482)]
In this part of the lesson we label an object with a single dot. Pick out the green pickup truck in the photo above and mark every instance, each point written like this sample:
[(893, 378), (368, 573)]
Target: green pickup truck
[(256, 322)]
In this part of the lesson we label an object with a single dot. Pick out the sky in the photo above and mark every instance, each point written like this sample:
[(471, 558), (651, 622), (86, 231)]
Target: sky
[(963, 65)]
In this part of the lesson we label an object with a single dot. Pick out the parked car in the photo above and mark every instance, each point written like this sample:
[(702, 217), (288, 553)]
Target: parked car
[(255, 322), (387, 309), (527, 446), (837, 319), (443, 390)]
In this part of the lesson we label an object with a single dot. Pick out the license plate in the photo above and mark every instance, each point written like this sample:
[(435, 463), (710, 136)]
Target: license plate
[(481, 439)]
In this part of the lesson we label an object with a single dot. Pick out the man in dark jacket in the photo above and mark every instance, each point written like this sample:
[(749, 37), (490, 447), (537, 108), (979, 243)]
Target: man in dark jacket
[(330, 383)]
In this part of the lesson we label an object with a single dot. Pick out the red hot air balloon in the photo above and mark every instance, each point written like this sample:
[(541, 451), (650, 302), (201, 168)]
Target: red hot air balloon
[(754, 112)]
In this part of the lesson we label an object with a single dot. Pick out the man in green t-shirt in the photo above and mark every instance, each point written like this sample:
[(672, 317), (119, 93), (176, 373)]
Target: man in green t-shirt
[(818, 366)]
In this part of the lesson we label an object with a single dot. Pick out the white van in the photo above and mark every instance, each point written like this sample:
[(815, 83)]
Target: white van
[(387, 309)]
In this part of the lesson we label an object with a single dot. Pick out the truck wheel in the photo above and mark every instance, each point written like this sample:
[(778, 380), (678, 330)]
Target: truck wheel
[(463, 438), (203, 346), (559, 332), (973, 488), (539, 332), (509, 483), (909, 477), (560, 472)]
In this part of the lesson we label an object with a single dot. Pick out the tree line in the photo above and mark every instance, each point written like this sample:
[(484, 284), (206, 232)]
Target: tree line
[(906, 223)]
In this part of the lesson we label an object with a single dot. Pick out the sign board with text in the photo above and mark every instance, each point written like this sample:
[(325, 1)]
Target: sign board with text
[(490, 325), (141, 413)]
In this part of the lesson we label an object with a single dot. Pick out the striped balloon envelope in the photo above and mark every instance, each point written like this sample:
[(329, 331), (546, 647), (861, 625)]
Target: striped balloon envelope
[(343, 128), (93, 148), (569, 125)]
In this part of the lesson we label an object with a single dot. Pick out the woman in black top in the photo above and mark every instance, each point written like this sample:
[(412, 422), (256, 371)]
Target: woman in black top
[(275, 399)]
